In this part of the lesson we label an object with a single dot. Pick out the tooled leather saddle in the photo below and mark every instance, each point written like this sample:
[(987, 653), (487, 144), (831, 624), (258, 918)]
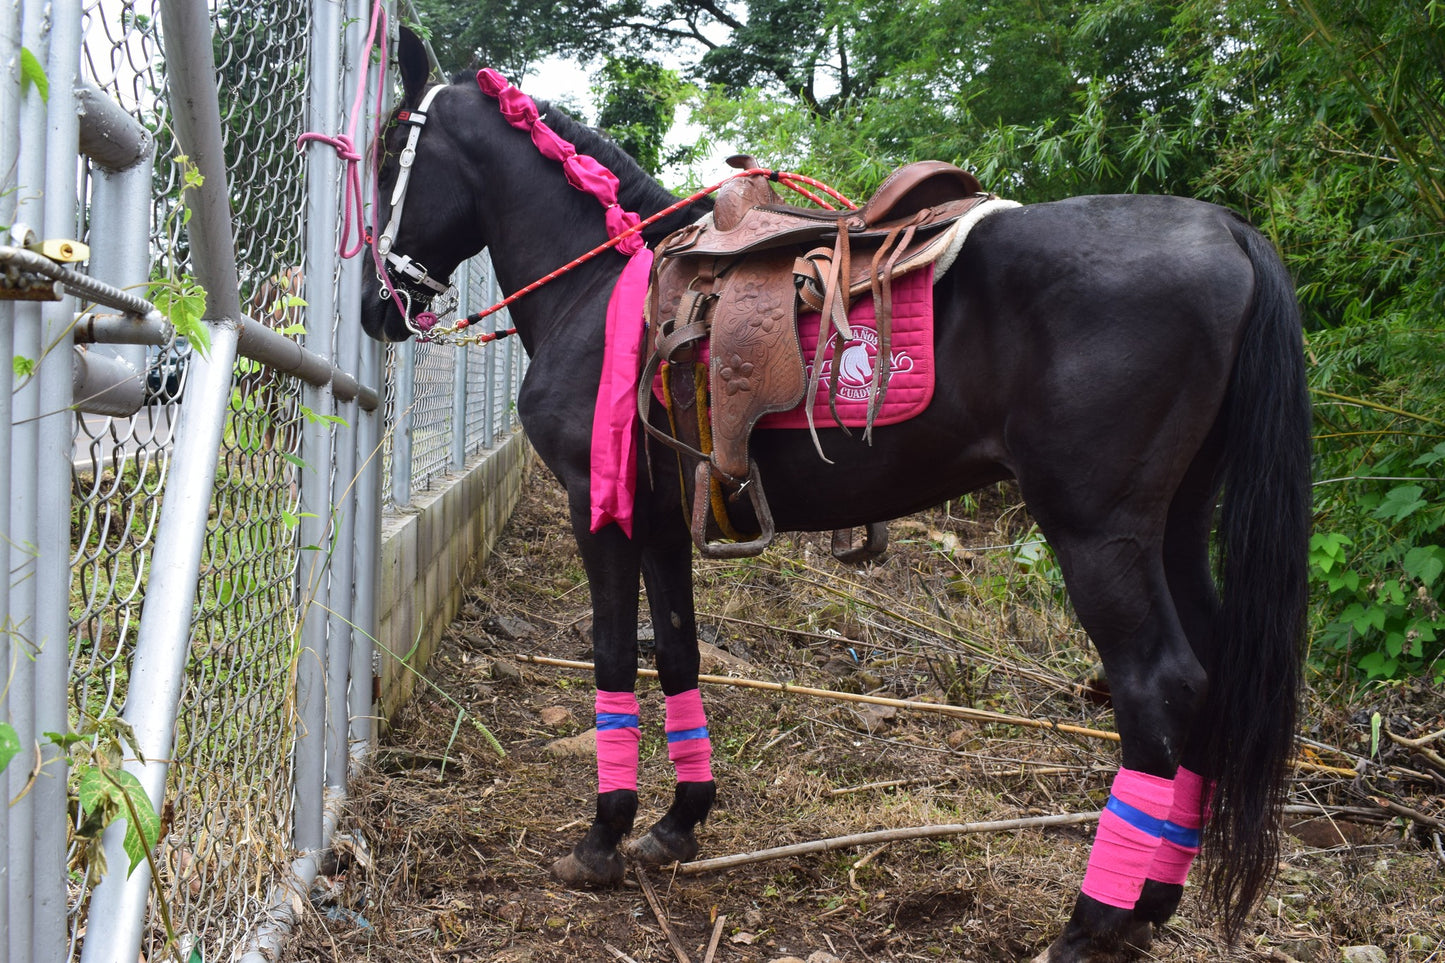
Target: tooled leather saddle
[(734, 283)]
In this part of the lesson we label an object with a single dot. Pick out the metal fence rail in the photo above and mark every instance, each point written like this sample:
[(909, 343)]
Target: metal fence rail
[(191, 534)]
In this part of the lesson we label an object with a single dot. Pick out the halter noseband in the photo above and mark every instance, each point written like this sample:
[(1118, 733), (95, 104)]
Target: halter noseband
[(410, 269)]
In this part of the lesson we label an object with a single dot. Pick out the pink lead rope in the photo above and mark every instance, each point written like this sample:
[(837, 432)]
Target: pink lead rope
[(614, 443)]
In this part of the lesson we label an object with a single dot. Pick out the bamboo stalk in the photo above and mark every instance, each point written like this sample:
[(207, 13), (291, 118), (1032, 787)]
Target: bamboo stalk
[(958, 712), (882, 836)]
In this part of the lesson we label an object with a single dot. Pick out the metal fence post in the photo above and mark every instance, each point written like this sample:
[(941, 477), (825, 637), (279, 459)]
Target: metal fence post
[(368, 441), (163, 640), (514, 381), (23, 533), (120, 205), (401, 427), (459, 378), (345, 324), (489, 427), (313, 667), (10, 96), (55, 437)]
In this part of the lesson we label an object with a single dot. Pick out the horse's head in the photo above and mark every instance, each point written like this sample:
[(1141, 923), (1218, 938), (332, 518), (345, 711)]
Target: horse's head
[(424, 228)]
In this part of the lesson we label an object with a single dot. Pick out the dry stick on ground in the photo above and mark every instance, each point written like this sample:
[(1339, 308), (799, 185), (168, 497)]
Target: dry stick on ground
[(1422, 746), (959, 712), (1408, 813), (618, 954), (677, 948), (716, 935), (882, 836)]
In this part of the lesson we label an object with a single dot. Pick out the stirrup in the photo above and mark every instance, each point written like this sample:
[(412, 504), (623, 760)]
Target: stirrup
[(702, 505), (875, 543)]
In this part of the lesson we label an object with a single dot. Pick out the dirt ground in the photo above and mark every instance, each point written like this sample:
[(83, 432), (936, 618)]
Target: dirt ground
[(448, 842)]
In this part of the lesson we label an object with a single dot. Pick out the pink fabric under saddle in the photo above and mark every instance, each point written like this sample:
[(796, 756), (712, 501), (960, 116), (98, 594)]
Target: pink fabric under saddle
[(910, 385)]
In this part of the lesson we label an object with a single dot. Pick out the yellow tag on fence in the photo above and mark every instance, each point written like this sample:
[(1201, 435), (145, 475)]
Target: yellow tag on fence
[(61, 250)]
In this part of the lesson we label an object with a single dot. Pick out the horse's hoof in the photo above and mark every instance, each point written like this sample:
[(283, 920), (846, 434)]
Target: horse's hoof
[(1139, 937), (575, 872), (659, 850), (1131, 944)]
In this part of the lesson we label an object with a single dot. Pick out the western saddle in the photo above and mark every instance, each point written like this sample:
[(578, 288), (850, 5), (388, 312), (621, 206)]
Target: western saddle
[(734, 283)]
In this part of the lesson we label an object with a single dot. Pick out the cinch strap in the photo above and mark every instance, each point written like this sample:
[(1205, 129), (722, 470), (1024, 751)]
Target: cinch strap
[(1182, 830), (688, 745), (1129, 833), (617, 737)]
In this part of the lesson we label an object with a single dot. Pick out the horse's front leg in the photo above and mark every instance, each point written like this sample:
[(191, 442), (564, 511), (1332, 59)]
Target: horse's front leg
[(668, 574), (612, 562)]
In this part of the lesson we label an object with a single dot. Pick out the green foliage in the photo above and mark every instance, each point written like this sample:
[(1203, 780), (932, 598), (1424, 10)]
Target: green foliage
[(639, 99), (183, 302), (9, 744), (103, 792), (1376, 562), (32, 71)]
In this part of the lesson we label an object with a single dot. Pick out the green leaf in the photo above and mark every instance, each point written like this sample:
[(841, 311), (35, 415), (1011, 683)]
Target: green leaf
[(1425, 562), (65, 740), (1400, 503), (183, 303), (139, 839), (1431, 457), (24, 367), (33, 72), (1376, 666), (9, 744), (95, 793), (1348, 579), (1370, 618)]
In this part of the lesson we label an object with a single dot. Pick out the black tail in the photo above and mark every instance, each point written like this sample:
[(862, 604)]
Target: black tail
[(1263, 543)]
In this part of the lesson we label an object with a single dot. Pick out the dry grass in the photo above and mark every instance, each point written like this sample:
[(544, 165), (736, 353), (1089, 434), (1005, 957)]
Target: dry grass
[(460, 840)]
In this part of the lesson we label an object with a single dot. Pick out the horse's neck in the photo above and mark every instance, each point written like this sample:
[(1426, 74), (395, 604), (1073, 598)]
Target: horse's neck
[(571, 306)]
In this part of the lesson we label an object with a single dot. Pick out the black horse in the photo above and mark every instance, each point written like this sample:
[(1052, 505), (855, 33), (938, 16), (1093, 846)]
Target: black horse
[(1135, 363)]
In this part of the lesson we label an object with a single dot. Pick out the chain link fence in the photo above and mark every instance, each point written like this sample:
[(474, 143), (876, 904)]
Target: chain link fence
[(280, 561)]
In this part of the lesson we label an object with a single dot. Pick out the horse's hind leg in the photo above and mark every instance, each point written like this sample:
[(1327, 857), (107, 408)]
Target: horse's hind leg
[(1116, 579), (1196, 600), (667, 572), (611, 560)]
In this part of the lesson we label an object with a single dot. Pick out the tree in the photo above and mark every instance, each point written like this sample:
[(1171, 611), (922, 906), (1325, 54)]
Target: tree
[(639, 100)]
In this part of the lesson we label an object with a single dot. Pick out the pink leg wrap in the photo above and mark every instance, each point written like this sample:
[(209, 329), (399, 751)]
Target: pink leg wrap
[(1128, 837), (1181, 831), (688, 745), (617, 736)]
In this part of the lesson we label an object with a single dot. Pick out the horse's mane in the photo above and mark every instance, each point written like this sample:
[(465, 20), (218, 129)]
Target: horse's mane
[(637, 191)]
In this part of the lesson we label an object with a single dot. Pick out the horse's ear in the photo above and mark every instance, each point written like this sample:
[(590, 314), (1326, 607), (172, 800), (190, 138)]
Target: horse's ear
[(415, 68)]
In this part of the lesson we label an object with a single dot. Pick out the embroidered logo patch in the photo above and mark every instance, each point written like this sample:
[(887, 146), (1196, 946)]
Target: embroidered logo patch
[(910, 376)]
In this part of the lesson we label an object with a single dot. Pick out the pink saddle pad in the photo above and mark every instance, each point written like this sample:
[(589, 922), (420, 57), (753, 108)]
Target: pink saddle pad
[(910, 384)]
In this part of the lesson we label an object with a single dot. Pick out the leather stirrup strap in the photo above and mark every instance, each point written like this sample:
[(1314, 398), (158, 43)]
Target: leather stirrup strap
[(690, 328), (882, 282)]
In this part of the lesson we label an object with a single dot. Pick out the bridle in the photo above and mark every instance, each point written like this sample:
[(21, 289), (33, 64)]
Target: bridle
[(444, 296)]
